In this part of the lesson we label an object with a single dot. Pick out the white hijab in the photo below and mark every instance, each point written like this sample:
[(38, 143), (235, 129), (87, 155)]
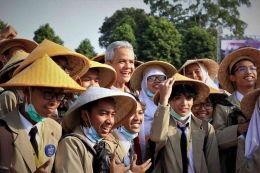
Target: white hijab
[(252, 141), (149, 112), (207, 79)]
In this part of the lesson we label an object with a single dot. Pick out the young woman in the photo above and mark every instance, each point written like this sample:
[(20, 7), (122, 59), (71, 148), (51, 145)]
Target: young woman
[(175, 124)]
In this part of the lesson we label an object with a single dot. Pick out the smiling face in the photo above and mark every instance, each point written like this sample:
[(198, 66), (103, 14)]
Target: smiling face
[(123, 63), (154, 81), (101, 116), (90, 78), (134, 123), (181, 104), (203, 110), (193, 71), (243, 78)]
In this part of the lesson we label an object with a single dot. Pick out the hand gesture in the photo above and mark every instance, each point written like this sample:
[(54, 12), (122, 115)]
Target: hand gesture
[(116, 168), (42, 169), (140, 168), (8, 32), (110, 138), (165, 89)]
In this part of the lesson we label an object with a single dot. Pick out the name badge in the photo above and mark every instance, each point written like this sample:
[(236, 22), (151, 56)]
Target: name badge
[(50, 150), (126, 161)]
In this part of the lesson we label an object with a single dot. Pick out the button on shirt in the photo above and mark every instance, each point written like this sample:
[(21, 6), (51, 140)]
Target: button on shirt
[(191, 167)]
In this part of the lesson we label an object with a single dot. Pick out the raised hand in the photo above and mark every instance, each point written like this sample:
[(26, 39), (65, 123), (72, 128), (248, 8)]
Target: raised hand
[(140, 168), (8, 32), (165, 89), (116, 168), (42, 169)]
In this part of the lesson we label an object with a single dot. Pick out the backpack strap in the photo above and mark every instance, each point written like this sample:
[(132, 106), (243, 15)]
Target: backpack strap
[(205, 127), (6, 147)]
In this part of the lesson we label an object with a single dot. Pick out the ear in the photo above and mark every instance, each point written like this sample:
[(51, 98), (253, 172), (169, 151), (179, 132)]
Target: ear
[(26, 91), (83, 115), (232, 78), (108, 62)]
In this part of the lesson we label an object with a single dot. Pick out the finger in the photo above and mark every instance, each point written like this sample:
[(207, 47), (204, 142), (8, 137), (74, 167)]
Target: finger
[(137, 93), (147, 162), (46, 164), (147, 166), (6, 25), (134, 159)]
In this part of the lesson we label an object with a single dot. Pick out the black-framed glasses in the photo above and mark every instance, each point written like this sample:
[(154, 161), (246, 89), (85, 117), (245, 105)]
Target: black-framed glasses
[(50, 95), (207, 106), (245, 68), (159, 77)]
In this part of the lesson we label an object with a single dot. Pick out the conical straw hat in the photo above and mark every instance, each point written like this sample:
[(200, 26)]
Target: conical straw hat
[(76, 61), (14, 62), (107, 74), (210, 65), (200, 87), (125, 106), (44, 72), (230, 60), (28, 45), (248, 102), (137, 77)]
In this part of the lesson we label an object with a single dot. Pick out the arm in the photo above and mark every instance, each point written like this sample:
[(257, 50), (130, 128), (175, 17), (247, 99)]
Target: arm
[(8, 32), (8, 102), (243, 164), (226, 135), (212, 155)]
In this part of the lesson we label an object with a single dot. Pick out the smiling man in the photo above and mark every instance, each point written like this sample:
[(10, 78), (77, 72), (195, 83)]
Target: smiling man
[(238, 75), (120, 55)]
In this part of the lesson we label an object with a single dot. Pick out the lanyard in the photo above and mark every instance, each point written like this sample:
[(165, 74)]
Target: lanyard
[(39, 160)]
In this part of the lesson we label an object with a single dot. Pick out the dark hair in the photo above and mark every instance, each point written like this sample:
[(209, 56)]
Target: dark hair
[(234, 66), (94, 69), (183, 89), (89, 106), (143, 105)]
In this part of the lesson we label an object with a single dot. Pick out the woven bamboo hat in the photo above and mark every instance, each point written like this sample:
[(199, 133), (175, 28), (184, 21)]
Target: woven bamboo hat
[(228, 62), (248, 102), (44, 72), (125, 106), (107, 74), (79, 63), (137, 77), (14, 62), (101, 59), (28, 45), (200, 87), (210, 65)]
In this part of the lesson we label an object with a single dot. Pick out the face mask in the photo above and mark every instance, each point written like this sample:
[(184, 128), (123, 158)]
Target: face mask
[(75, 96), (178, 117), (33, 114), (128, 135), (209, 120), (150, 94), (93, 133)]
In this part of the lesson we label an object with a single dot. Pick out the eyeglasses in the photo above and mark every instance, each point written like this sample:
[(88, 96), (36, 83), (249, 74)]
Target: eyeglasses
[(160, 78), (245, 68), (67, 69), (50, 95), (207, 106)]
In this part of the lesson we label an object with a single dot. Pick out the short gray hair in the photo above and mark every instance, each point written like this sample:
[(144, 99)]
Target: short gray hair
[(110, 52)]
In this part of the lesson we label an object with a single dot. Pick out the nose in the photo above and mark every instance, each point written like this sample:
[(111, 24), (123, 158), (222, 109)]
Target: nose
[(110, 119), (184, 101), (93, 83), (194, 76)]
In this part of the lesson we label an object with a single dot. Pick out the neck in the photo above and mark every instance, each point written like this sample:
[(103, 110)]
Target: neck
[(184, 121), (120, 86), (26, 115), (244, 91)]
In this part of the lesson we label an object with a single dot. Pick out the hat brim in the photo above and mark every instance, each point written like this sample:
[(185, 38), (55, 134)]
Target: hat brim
[(3, 73), (201, 88), (125, 106), (28, 45), (138, 74), (210, 65), (223, 73), (248, 102)]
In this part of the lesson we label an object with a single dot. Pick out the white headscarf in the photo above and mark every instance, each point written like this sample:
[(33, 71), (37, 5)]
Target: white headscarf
[(149, 112), (206, 79), (252, 141)]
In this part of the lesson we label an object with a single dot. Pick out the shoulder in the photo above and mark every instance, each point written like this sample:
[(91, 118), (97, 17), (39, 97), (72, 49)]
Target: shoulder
[(54, 127)]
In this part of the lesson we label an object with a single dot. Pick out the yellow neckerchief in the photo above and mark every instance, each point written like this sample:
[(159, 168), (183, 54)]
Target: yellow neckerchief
[(189, 139), (39, 160)]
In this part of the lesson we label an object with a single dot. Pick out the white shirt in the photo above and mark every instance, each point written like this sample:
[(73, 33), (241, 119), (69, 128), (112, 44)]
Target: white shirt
[(126, 143), (239, 96), (28, 126), (191, 167)]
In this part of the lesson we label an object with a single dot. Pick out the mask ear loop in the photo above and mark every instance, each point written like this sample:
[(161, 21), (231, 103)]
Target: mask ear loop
[(88, 119)]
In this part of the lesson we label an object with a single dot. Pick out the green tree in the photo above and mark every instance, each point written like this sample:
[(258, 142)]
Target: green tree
[(161, 41), (125, 33), (46, 32), (2, 25), (203, 13), (198, 43), (85, 48)]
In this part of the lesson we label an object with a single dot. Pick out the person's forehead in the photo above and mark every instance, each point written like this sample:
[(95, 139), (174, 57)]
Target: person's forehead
[(124, 53), (244, 62), (193, 66)]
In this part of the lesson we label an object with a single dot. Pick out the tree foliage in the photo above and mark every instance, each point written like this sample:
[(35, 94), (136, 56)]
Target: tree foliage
[(46, 32), (198, 43), (203, 13), (85, 48), (2, 25)]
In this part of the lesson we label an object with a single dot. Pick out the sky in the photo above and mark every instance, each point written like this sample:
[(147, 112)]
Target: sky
[(75, 20)]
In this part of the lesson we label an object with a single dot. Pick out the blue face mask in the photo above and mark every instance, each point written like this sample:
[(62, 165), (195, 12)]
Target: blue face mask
[(93, 133), (33, 114), (128, 135), (178, 117), (209, 120), (150, 94)]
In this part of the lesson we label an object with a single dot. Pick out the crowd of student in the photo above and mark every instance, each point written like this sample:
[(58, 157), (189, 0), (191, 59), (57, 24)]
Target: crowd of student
[(63, 112)]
